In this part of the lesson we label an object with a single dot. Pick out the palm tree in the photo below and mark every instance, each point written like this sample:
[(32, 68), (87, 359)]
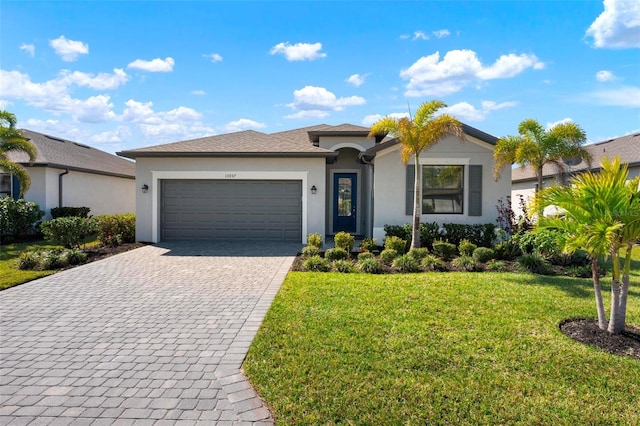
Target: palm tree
[(11, 139), (536, 147), (601, 215), (416, 135)]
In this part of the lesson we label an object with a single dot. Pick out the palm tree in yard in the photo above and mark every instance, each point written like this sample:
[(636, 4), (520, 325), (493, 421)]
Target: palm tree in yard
[(11, 139), (601, 215), (418, 134), (536, 146)]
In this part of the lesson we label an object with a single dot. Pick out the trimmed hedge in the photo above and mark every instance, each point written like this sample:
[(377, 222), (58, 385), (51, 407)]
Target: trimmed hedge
[(116, 229), (482, 235), (67, 231), (19, 218), (57, 212)]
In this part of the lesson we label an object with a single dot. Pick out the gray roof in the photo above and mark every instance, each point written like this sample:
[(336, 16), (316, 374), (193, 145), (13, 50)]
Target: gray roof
[(61, 153), (626, 147)]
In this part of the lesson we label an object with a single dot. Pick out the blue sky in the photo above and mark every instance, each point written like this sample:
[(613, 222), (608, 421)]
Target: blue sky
[(121, 75)]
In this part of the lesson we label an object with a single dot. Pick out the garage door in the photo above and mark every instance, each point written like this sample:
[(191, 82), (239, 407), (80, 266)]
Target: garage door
[(229, 209)]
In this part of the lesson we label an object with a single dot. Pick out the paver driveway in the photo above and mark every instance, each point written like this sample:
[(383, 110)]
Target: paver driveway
[(156, 335)]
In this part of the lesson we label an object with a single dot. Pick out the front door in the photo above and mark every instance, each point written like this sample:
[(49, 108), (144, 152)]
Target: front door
[(345, 202)]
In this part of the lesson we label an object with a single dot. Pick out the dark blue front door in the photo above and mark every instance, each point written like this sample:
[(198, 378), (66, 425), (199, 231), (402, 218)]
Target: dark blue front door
[(344, 202)]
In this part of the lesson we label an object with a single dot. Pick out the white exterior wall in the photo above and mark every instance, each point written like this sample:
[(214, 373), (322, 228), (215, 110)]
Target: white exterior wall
[(150, 171), (102, 194), (390, 183)]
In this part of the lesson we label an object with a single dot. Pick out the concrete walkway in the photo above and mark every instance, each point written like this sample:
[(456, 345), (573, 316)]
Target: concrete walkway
[(156, 335)]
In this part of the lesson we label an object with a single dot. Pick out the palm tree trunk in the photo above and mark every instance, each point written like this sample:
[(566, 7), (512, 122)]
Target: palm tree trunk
[(614, 318), (602, 317), (624, 291), (415, 234)]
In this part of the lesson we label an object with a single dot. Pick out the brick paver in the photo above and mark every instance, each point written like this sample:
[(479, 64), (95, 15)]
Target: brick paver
[(156, 335)]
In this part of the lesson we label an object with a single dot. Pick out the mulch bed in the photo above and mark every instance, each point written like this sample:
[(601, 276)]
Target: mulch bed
[(100, 252), (586, 330)]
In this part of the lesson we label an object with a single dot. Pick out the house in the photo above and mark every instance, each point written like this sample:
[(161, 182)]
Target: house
[(319, 179), (70, 174), (524, 181)]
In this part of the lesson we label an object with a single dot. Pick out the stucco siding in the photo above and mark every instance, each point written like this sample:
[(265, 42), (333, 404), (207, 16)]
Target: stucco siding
[(151, 171), (336, 142)]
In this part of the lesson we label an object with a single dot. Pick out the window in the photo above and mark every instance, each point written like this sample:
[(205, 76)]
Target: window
[(6, 185), (442, 189)]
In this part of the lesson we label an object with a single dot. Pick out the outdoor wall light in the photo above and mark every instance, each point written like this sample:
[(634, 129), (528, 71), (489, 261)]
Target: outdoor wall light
[(314, 190), (145, 188)]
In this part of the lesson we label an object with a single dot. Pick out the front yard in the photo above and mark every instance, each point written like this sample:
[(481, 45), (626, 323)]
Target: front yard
[(9, 274), (439, 348)]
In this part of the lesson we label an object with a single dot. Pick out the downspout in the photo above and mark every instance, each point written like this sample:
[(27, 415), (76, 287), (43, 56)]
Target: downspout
[(66, 172)]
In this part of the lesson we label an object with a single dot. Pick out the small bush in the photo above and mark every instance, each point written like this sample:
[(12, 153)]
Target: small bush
[(496, 265), (464, 263), (343, 266), (583, 271), (336, 253), (53, 259), (344, 240), (315, 240), (444, 250), (67, 231), (507, 250), (18, 218), (28, 261), (534, 263), (466, 247), (481, 235), (387, 256), (543, 242), (369, 266), (368, 244), (116, 229), (57, 212), (433, 263), (365, 255), (316, 264), (418, 253), (395, 243), (308, 251), (483, 254), (75, 257), (406, 263)]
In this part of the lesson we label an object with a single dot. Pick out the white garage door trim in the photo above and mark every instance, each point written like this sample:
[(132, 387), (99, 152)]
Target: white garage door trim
[(156, 176)]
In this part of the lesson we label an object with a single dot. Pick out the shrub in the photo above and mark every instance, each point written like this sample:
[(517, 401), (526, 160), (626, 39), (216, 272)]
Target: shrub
[(578, 271), (57, 212), (53, 259), (18, 218), (365, 255), (369, 266), (368, 244), (317, 264), (406, 263), (308, 251), (116, 229), (444, 250), (534, 263), (418, 253), (28, 260), (395, 243), (67, 231), (344, 240), (496, 265), (75, 257), (401, 231), (433, 263), (336, 253), (543, 242), (315, 240), (343, 266), (482, 254), (507, 250), (464, 263), (481, 235), (466, 247), (387, 256)]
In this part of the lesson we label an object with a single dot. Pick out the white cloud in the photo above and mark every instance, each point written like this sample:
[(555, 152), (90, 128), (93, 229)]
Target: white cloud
[(317, 102), (242, 124), (214, 57), (299, 51), (605, 75), (68, 50), (372, 118), (4, 104), (154, 65), (467, 112), (357, 79), (29, 48), (618, 26), (404, 36), (563, 121), (102, 81), (118, 135), (420, 35), (431, 76), (624, 97), (441, 33), (62, 129), (198, 92)]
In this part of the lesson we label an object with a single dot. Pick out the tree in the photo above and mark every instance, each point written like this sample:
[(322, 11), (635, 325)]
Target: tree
[(416, 135), (537, 146), (601, 215), (11, 139)]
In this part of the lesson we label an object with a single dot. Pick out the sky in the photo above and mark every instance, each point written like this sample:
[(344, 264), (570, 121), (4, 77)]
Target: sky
[(121, 75)]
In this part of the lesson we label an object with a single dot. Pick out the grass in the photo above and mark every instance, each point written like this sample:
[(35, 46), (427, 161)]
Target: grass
[(433, 348)]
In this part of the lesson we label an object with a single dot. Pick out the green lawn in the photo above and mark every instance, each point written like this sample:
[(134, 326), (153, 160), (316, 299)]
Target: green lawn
[(433, 348)]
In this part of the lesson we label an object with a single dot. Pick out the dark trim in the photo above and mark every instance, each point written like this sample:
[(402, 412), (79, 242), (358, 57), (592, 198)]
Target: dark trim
[(78, 169), (60, 186), (165, 154), (314, 135)]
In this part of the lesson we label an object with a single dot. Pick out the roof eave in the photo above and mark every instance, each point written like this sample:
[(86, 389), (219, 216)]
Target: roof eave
[(134, 154), (78, 169)]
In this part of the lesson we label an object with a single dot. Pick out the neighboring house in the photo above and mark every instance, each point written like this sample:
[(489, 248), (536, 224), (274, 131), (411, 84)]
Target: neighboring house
[(524, 182), (320, 179), (70, 174)]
